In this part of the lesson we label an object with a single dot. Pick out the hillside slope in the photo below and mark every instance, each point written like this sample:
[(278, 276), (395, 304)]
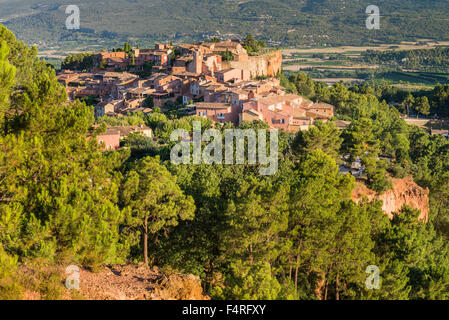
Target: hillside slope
[(283, 22), (118, 282)]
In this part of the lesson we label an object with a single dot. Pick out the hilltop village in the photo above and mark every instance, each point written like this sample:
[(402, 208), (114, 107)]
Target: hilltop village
[(332, 197), (217, 80)]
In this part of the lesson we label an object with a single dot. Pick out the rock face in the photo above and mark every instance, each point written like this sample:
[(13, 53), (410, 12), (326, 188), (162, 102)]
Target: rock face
[(404, 192), (268, 64)]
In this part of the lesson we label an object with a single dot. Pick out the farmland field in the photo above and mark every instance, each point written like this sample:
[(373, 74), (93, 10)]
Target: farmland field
[(347, 64)]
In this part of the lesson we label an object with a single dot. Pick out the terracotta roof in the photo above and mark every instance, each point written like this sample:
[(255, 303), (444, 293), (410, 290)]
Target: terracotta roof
[(157, 75), (300, 114), (141, 90), (116, 59), (127, 130), (342, 124), (307, 103), (322, 105), (103, 103), (240, 92), (318, 115), (212, 105), (110, 132), (279, 99), (254, 112)]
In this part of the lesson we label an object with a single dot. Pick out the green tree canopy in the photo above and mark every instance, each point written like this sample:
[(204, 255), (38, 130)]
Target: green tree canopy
[(153, 200)]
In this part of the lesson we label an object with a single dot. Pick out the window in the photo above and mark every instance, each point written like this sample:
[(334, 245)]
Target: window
[(282, 121), (220, 115)]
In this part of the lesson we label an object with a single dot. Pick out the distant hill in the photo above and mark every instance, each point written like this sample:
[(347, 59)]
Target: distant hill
[(280, 22)]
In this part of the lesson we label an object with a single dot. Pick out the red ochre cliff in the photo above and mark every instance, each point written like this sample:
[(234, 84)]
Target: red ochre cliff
[(404, 192)]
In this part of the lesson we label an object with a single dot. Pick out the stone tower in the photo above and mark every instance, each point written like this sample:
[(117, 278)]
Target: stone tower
[(197, 61)]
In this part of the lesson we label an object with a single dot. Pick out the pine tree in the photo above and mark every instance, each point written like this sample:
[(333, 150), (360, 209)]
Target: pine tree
[(7, 80), (317, 191), (324, 136), (153, 201)]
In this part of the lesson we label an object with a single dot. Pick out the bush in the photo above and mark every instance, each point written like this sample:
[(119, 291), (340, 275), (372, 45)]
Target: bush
[(52, 287), (9, 287), (399, 171)]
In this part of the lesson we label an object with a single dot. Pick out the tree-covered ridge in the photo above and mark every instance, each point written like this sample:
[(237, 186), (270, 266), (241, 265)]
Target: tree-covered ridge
[(434, 60), (286, 22), (294, 235)]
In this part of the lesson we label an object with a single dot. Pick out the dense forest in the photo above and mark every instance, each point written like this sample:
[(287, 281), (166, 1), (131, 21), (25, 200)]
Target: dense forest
[(279, 22), (294, 235)]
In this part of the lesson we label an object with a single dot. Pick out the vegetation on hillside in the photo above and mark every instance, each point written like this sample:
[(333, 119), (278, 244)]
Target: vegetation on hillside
[(294, 235), (433, 60), (285, 22), (79, 61)]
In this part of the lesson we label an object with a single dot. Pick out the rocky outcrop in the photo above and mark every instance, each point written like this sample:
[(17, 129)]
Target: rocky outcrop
[(404, 192), (268, 64)]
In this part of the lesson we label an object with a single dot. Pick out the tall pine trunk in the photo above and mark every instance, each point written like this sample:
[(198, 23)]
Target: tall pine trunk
[(296, 274), (325, 290), (145, 241), (337, 284), (326, 285)]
